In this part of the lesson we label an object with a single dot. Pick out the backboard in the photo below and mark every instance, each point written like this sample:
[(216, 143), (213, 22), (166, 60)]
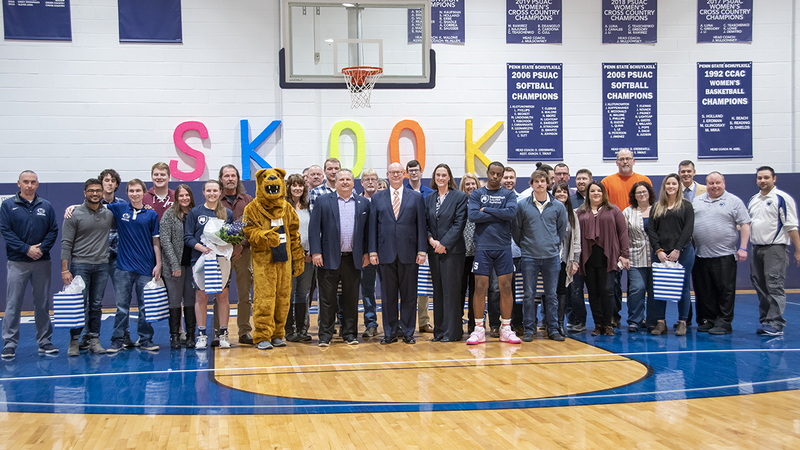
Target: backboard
[(322, 37)]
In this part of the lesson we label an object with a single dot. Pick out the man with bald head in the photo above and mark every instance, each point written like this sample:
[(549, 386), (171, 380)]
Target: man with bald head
[(397, 244), (721, 232), (618, 186)]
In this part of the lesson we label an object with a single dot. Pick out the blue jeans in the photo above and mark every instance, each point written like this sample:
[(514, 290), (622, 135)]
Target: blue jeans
[(549, 267), (640, 283), (95, 276), (124, 281), (659, 307), (368, 275)]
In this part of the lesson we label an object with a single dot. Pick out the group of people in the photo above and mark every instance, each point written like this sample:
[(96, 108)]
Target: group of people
[(474, 236)]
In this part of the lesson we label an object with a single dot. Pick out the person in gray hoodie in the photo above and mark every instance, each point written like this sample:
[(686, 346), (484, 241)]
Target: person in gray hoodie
[(538, 229)]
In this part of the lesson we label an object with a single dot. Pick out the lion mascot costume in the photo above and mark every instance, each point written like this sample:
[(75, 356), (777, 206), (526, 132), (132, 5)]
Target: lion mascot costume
[(272, 229)]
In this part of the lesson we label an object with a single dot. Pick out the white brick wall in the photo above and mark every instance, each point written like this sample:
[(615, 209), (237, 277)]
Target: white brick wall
[(70, 109)]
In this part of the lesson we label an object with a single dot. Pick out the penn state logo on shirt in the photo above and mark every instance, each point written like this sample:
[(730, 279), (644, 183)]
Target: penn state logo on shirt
[(484, 198), (202, 220), (126, 217), (40, 212), (769, 202)]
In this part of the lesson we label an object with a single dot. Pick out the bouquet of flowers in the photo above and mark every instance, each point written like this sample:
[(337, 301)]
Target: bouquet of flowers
[(233, 233)]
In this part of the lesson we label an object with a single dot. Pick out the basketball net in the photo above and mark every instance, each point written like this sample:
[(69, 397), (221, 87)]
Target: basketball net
[(360, 81)]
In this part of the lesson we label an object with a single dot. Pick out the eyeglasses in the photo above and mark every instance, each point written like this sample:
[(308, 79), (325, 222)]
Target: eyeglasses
[(94, 191), (413, 171), (627, 159), (396, 173)]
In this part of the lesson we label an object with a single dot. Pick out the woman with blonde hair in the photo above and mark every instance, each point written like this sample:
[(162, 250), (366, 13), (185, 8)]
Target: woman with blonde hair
[(670, 233), (469, 182), (195, 224)]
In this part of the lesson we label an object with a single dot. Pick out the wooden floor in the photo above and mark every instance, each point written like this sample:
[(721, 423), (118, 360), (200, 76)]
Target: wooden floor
[(453, 373), (761, 421)]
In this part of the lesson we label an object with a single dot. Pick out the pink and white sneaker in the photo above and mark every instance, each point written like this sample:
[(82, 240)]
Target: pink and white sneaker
[(478, 336), (508, 335)]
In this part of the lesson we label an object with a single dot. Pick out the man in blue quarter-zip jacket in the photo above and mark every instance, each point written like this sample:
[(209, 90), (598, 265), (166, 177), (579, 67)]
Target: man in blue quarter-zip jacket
[(28, 225)]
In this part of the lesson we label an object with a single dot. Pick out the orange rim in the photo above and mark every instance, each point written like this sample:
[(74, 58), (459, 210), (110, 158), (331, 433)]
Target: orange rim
[(358, 74)]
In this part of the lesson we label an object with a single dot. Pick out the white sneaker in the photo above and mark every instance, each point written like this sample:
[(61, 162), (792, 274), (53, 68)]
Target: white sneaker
[(202, 342), (224, 342)]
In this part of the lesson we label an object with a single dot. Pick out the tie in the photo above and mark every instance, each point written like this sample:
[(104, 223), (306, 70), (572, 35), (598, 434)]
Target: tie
[(687, 192), (396, 204)]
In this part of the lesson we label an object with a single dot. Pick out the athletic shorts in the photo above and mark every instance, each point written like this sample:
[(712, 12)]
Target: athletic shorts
[(500, 260)]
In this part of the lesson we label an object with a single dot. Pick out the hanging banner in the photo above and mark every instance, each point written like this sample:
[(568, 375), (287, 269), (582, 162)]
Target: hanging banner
[(37, 20), (724, 110), (533, 22), (536, 131), (447, 23), (150, 21), (629, 110), (629, 22), (724, 20)]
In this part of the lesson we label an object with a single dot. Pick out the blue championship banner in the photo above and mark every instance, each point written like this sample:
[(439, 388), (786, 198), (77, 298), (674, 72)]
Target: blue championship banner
[(150, 21), (724, 21), (629, 21), (724, 110), (37, 20), (629, 110), (447, 23), (533, 21), (536, 130)]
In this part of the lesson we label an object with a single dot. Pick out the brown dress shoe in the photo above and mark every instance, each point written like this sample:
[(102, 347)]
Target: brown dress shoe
[(494, 332), (599, 330), (661, 328), (610, 331), (427, 328), (681, 329)]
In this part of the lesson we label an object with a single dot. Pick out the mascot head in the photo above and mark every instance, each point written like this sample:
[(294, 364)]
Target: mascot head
[(271, 187)]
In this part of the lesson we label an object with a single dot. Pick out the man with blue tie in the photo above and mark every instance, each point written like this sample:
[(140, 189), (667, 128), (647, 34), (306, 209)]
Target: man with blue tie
[(337, 239), (397, 241)]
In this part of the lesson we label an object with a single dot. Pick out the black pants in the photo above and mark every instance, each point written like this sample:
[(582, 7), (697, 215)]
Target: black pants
[(397, 277), (468, 287), (600, 284), (715, 289), (448, 305), (329, 280)]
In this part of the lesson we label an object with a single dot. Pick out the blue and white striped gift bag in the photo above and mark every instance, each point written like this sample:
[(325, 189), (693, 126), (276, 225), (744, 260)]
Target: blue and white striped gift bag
[(213, 276), (156, 302), (424, 281), (668, 281), (519, 287), (68, 310)]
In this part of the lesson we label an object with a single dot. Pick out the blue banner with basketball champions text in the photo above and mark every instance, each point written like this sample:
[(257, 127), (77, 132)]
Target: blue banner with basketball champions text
[(37, 20), (724, 110), (150, 21), (533, 21), (630, 110), (629, 21), (447, 23), (536, 131), (724, 20)]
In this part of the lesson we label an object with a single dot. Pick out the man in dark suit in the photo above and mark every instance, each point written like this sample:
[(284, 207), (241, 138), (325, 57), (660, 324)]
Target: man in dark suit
[(337, 239), (397, 233)]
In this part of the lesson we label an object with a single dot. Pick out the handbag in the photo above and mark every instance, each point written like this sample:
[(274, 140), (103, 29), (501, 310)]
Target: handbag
[(68, 305), (156, 302), (668, 280)]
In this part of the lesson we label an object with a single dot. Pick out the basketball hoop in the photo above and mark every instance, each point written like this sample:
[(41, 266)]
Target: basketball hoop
[(360, 80)]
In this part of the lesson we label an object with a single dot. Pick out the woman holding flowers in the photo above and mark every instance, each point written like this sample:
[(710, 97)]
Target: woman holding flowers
[(196, 221)]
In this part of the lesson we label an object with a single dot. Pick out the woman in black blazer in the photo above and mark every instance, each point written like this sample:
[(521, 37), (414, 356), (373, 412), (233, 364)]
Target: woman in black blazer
[(446, 212)]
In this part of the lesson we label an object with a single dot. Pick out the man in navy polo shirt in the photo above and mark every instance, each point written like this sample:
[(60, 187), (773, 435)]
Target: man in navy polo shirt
[(28, 225), (138, 261)]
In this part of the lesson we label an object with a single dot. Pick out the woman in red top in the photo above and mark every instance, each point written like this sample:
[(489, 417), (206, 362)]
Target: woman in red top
[(604, 251)]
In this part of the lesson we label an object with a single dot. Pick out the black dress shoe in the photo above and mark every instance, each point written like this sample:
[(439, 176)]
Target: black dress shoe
[(409, 340), (388, 340), (436, 339)]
